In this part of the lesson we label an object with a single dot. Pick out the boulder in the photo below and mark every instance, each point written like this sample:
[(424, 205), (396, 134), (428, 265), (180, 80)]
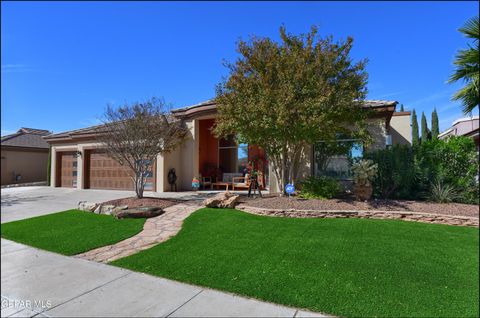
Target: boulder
[(140, 212), (222, 200), (107, 209), (86, 206)]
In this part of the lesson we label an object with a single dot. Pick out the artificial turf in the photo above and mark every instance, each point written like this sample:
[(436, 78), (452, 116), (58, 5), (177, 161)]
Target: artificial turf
[(71, 232), (346, 267)]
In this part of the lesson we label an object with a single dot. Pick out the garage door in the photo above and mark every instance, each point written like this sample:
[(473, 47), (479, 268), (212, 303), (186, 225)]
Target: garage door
[(68, 170), (103, 172)]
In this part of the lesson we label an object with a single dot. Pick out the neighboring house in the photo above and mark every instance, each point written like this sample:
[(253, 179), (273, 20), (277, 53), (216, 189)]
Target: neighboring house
[(24, 156), (464, 127), (78, 160), (401, 128)]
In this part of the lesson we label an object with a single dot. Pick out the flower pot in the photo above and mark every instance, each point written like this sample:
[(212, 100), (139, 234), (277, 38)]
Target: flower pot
[(363, 192)]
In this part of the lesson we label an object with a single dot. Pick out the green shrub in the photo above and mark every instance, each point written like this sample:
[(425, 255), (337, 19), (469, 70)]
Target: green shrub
[(454, 161), (396, 177), (319, 188), (442, 193), (407, 172)]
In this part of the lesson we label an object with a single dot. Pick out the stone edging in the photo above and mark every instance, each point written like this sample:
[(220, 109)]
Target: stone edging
[(366, 214)]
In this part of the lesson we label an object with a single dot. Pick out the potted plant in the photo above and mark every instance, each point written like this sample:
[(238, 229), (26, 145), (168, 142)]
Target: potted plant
[(364, 171)]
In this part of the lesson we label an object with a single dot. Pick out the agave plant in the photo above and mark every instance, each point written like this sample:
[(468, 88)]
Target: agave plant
[(443, 193), (364, 171)]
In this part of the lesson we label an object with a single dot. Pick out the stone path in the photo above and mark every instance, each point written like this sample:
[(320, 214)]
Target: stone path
[(155, 230)]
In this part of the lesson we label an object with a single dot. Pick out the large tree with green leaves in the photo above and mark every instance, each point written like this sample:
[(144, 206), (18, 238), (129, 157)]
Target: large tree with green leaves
[(435, 129), (286, 96), (415, 137), (424, 128), (467, 69)]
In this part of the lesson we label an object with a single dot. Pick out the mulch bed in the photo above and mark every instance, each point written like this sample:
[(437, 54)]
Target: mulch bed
[(350, 204), (134, 202)]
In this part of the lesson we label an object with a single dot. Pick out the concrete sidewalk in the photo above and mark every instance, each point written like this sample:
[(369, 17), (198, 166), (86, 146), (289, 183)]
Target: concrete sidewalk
[(43, 284)]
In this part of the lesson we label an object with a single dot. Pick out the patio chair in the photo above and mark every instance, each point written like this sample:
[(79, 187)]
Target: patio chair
[(206, 181), (241, 182)]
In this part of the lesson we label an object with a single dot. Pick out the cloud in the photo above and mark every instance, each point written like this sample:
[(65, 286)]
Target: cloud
[(388, 95), (12, 68), (430, 99)]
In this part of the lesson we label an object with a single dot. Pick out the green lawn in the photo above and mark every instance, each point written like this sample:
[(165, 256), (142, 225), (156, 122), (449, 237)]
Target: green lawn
[(346, 267), (71, 232)]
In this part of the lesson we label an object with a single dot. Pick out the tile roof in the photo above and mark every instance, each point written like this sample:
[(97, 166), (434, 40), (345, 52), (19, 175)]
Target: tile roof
[(26, 137), (366, 103)]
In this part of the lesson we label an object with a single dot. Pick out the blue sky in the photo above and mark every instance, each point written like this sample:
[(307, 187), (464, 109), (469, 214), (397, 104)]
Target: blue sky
[(63, 62)]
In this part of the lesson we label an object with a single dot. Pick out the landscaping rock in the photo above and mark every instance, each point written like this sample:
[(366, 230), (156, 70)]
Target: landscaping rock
[(222, 200), (107, 209), (140, 212), (86, 206), (119, 208)]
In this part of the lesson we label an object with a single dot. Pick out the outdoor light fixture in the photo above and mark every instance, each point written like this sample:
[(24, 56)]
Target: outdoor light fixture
[(388, 140), (78, 153)]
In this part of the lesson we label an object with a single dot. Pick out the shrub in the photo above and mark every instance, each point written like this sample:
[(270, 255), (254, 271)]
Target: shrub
[(319, 188), (396, 177), (443, 193), (407, 172), (364, 171), (453, 161)]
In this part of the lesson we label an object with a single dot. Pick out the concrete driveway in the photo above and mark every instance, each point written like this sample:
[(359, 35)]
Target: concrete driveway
[(26, 202), (43, 284)]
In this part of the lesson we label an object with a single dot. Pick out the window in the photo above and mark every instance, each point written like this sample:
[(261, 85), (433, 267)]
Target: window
[(74, 173), (232, 158), (335, 159)]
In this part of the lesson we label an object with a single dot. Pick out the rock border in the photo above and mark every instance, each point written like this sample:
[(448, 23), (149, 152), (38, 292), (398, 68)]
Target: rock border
[(365, 214)]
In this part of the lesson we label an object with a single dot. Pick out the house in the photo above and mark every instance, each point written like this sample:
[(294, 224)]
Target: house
[(24, 156), (464, 127), (79, 161)]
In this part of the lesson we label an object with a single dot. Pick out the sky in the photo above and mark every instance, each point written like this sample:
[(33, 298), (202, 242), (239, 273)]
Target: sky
[(63, 62)]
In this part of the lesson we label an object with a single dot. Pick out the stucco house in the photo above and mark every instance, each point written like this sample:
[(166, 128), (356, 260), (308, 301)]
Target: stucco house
[(24, 156), (468, 126), (79, 161)]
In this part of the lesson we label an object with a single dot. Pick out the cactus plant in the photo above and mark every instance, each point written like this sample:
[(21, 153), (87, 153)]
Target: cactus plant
[(364, 171)]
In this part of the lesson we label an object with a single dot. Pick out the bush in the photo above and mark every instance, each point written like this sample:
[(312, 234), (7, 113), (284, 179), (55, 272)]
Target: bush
[(442, 193), (453, 161), (319, 188), (408, 172), (396, 177)]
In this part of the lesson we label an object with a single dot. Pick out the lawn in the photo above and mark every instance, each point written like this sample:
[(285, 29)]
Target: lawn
[(346, 267), (71, 232)]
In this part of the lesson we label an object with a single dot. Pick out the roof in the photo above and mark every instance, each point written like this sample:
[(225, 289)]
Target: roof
[(465, 119), (92, 130), (209, 106), (203, 108), (27, 138)]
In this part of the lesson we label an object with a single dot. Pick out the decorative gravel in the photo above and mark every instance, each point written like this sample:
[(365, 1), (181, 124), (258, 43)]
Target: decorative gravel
[(349, 204), (134, 202)]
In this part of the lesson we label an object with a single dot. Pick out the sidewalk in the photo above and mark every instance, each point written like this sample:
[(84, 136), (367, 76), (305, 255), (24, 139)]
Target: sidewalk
[(43, 284)]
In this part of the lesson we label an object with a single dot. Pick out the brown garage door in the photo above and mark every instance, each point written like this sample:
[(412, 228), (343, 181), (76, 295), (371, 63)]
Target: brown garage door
[(103, 172), (68, 170)]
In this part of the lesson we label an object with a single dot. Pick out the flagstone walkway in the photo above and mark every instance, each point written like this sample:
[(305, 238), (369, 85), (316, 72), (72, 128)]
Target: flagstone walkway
[(155, 230)]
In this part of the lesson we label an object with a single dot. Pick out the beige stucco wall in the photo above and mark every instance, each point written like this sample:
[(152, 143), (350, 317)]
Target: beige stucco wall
[(401, 129), (31, 165), (378, 131)]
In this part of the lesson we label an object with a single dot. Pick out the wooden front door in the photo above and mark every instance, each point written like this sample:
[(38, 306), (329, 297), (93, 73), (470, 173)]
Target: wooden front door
[(68, 169)]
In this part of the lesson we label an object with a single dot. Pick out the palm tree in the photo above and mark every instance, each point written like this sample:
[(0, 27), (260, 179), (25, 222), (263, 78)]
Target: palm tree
[(468, 68)]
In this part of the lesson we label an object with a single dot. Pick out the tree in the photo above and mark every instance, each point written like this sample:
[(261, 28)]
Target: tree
[(286, 96), (401, 108), (415, 138), (135, 134), (424, 128), (467, 69), (435, 129)]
